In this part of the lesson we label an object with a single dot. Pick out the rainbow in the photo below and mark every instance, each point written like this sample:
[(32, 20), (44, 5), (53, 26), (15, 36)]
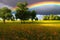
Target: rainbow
[(42, 4)]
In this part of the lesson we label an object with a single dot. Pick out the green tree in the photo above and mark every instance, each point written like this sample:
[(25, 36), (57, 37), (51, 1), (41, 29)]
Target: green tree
[(5, 13), (56, 18), (33, 15), (22, 12), (36, 19), (51, 17), (46, 17)]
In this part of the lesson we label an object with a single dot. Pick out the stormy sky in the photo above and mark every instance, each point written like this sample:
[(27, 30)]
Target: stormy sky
[(13, 2)]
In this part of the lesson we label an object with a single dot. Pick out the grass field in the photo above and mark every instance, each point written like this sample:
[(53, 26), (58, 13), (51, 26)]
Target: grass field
[(46, 30)]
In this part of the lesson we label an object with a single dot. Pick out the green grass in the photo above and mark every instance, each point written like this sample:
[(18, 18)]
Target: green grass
[(35, 22), (30, 31)]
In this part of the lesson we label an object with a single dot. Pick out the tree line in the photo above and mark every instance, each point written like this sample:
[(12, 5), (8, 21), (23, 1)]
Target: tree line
[(22, 13), (51, 17)]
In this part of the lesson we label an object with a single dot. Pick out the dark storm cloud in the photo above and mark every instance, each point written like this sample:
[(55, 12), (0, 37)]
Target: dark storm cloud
[(10, 2), (47, 9), (13, 2)]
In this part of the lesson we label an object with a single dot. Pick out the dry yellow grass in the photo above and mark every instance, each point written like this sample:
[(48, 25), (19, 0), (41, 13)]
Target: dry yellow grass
[(51, 25)]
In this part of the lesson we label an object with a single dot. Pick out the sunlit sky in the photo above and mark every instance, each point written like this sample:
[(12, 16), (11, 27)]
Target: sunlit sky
[(40, 17)]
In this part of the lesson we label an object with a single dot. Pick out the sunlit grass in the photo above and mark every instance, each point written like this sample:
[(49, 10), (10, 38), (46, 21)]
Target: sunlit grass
[(33, 21), (14, 30)]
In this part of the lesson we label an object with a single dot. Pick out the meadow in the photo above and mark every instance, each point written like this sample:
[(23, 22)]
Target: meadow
[(37, 30)]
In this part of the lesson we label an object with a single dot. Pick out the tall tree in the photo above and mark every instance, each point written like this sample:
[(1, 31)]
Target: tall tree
[(5, 13), (22, 11)]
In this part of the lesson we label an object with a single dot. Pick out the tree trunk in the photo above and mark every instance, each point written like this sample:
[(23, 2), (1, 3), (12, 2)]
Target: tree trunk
[(23, 20), (32, 20), (4, 21)]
